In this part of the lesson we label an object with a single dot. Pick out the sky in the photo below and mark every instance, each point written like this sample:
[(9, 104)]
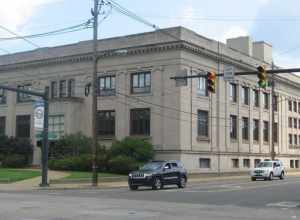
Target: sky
[(276, 22)]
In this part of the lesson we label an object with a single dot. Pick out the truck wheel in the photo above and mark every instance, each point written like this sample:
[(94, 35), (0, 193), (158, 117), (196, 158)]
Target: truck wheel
[(157, 184), (182, 182), (253, 178), (133, 187), (281, 175), (271, 176)]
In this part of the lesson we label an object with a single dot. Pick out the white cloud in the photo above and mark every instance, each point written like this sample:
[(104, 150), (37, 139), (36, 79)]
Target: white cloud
[(15, 13), (286, 60)]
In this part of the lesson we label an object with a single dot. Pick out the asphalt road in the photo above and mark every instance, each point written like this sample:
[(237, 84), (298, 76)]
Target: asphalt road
[(236, 199)]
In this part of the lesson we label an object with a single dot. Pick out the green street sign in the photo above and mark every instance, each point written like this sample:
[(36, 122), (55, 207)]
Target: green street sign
[(51, 136)]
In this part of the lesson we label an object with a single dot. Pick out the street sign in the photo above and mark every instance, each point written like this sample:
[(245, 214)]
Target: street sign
[(181, 82), (51, 136), (228, 73)]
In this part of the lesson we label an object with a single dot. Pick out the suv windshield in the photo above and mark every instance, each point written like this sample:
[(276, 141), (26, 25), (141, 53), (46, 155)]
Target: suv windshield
[(265, 164), (151, 166)]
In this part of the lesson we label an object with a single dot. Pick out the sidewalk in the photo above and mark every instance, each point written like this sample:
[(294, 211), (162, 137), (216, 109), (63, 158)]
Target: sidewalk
[(33, 184)]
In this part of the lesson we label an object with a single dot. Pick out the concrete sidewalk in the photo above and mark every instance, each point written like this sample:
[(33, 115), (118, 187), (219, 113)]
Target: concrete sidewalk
[(33, 184)]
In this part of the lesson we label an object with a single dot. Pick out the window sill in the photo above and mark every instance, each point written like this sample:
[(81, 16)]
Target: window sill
[(103, 137), (245, 141), (202, 138), (141, 93), (256, 142), (140, 136)]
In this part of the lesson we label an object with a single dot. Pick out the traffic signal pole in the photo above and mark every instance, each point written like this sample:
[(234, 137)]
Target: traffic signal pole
[(260, 69), (45, 96)]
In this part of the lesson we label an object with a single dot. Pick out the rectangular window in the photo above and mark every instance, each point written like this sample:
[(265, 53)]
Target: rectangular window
[(275, 103), (296, 163), (202, 123), (266, 131), (298, 107), (256, 98), (256, 161), (275, 130), (141, 82), (233, 92), (57, 126), (295, 106), (233, 126), (246, 163), (106, 123), (266, 100), (290, 122), (295, 123), (107, 85), (202, 86), (140, 122), (245, 95), (71, 87), (2, 96), (245, 128), (54, 93), (23, 126), (299, 123), (290, 105), (2, 125), (256, 130), (22, 97), (295, 139), (235, 163), (290, 139), (291, 163), (204, 162), (62, 88)]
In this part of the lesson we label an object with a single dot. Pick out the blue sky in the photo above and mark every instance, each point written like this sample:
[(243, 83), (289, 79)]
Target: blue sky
[(274, 21)]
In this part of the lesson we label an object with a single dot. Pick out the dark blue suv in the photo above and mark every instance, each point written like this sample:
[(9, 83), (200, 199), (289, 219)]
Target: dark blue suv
[(157, 174)]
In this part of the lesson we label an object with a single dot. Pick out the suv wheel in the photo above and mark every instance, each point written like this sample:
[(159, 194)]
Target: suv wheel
[(253, 178), (271, 176), (157, 184), (182, 182), (133, 187), (281, 175)]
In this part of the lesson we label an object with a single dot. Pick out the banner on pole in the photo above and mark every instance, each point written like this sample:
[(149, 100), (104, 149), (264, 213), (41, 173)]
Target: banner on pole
[(39, 108)]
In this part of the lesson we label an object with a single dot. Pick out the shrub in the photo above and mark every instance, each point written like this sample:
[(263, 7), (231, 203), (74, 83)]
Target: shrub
[(14, 161), (15, 152), (122, 164), (78, 163), (70, 146), (138, 149)]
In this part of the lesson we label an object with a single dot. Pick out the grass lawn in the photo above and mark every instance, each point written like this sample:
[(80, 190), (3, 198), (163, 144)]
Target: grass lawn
[(86, 175), (13, 175)]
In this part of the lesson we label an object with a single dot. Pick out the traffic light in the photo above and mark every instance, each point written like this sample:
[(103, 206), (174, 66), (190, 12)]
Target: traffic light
[(262, 76), (211, 82)]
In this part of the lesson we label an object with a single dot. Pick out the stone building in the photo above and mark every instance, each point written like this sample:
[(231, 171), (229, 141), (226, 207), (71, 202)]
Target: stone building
[(223, 132)]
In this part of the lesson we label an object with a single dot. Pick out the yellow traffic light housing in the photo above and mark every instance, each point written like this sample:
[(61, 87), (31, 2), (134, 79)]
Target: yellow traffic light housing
[(211, 81), (262, 77)]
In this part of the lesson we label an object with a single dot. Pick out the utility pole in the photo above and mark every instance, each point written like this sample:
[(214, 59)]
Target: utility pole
[(273, 154), (95, 13)]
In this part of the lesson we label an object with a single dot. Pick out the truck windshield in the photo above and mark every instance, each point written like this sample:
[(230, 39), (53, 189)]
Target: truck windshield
[(151, 166), (265, 164)]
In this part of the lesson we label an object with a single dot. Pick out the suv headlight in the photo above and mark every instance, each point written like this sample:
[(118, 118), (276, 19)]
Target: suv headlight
[(130, 175)]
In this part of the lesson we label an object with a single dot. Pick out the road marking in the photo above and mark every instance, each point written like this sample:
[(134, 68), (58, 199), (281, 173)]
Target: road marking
[(285, 204)]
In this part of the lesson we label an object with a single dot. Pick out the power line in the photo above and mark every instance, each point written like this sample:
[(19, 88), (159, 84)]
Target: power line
[(15, 34)]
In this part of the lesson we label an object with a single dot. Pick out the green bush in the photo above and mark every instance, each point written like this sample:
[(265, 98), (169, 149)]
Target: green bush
[(14, 161), (137, 149), (78, 163), (70, 146), (15, 152), (122, 164)]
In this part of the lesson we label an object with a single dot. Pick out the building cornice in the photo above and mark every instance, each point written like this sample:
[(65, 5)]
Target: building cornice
[(133, 51)]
